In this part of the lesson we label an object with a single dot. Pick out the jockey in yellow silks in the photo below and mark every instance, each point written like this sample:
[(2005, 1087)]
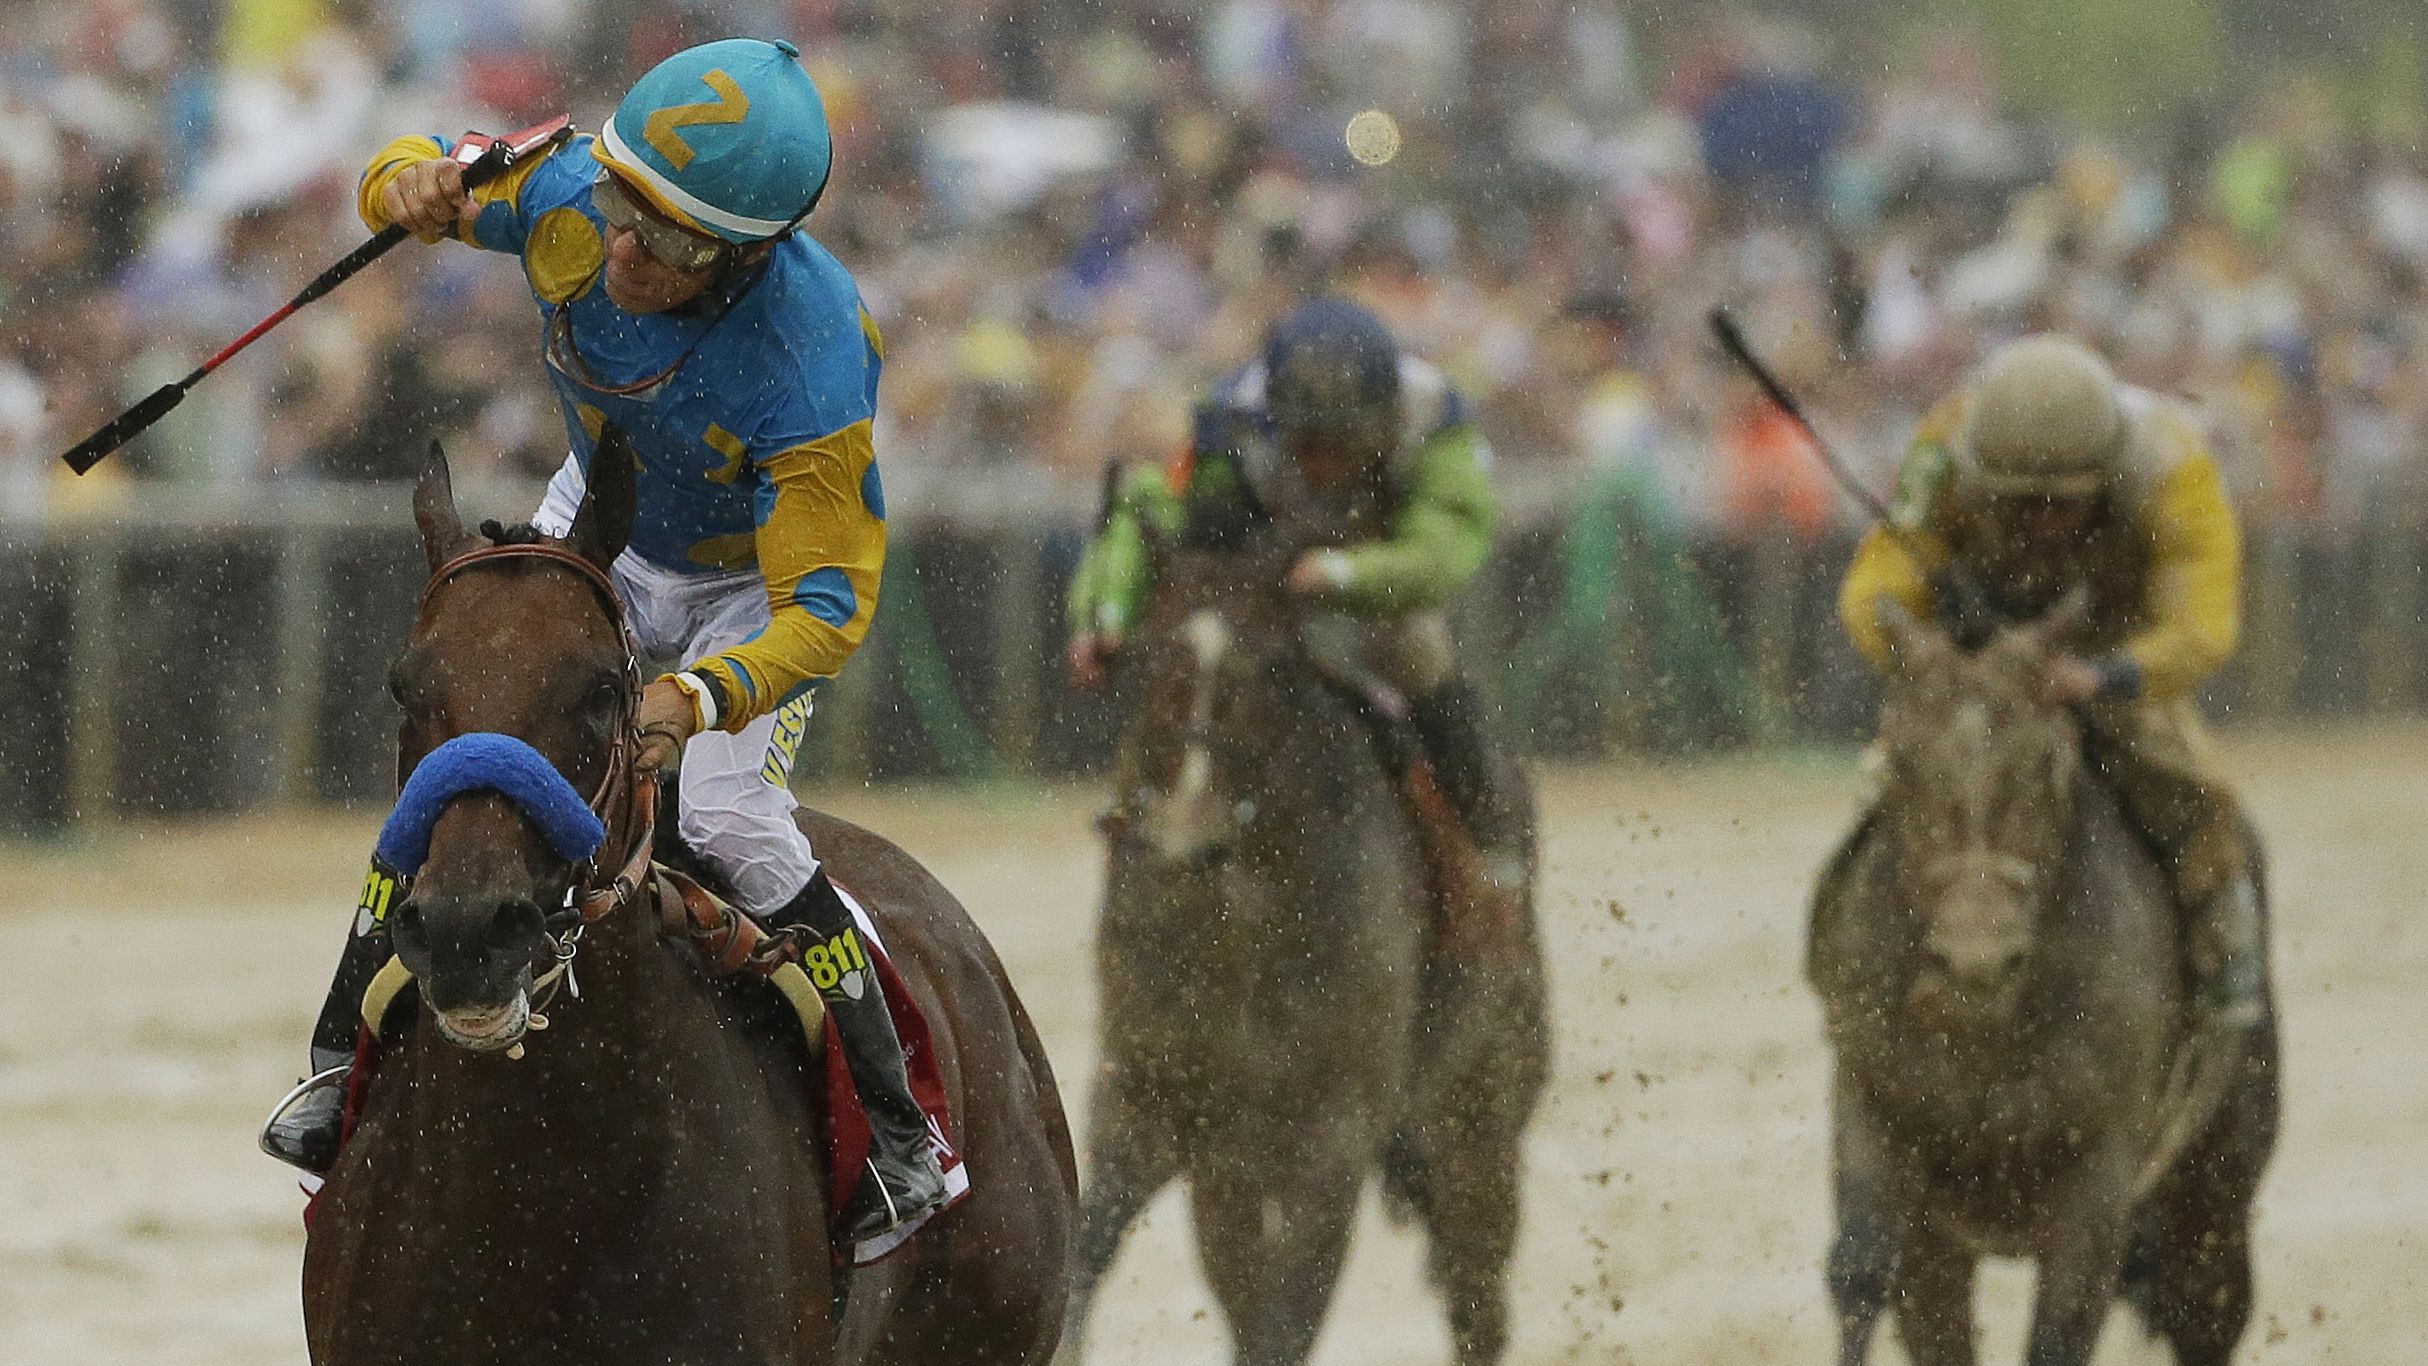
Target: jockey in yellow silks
[(2046, 474)]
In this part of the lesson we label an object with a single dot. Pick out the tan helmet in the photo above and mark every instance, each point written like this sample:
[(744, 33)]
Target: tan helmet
[(2045, 420)]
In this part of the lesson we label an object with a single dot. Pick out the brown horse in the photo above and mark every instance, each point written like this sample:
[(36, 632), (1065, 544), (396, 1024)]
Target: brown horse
[(1276, 1019), (1997, 959), (649, 1183)]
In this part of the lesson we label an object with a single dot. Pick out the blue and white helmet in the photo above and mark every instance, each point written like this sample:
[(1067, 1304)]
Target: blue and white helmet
[(728, 137)]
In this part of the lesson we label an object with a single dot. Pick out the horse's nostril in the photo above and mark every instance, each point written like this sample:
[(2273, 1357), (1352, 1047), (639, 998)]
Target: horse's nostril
[(517, 917), (405, 923)]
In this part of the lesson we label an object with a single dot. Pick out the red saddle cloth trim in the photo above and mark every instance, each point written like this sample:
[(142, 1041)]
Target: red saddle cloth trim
[(847, 1126)]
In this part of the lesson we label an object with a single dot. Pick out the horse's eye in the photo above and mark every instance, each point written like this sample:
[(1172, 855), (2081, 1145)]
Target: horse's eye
[(604, 695)]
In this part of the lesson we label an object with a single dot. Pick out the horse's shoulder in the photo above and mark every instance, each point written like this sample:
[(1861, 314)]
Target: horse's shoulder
[(1852, 875)]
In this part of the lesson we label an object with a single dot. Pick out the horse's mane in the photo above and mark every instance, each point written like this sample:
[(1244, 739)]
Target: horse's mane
[(520, 533)]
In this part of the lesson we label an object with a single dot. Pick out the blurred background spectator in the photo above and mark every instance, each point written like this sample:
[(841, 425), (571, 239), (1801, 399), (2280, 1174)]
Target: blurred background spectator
[(1069, 216)]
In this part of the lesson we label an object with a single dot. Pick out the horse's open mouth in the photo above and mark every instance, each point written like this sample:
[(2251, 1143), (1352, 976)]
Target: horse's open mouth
[(488, 1031)]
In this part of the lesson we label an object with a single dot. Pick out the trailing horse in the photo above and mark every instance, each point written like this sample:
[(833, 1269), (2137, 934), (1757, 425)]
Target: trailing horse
[(1999, 969), (648, 1181), (1279, 1016)]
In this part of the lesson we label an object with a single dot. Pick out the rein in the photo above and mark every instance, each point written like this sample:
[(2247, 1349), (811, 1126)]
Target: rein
[(589, 900)]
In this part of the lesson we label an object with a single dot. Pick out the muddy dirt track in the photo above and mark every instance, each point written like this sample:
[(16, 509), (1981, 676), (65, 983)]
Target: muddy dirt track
[(152, 1004)]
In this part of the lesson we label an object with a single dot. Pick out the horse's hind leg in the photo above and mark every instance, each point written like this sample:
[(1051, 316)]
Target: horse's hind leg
[(1273, 1235)]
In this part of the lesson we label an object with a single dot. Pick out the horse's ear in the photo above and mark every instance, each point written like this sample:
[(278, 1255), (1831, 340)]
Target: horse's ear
[(1913, 643), (442, 528), (604, 521)]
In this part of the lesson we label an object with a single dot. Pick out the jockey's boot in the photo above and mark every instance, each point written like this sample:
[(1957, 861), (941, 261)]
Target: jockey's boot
[(305, 1128), (903, 1180), (1451, 722)]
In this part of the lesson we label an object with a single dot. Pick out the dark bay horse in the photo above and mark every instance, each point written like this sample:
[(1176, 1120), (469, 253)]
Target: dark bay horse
[(1998, 964), (1276, 1023), (649, 1183)]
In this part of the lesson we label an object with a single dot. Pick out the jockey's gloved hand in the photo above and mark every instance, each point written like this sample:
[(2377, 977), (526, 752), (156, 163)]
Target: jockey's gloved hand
[(428, 198), (1962, 607), (670, 715), (1320, 573)]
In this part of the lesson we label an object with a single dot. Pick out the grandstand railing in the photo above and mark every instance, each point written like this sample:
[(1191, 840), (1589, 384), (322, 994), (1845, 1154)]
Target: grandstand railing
[(220, 649)]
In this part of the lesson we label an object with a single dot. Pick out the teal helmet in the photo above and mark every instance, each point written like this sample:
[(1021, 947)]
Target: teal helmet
[(728, 137)]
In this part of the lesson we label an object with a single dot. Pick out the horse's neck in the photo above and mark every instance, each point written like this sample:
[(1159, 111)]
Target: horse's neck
[(2109, 887), (1317, 769)]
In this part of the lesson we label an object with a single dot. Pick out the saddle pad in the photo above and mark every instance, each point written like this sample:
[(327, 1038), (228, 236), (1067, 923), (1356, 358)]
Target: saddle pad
[(847, 1122)]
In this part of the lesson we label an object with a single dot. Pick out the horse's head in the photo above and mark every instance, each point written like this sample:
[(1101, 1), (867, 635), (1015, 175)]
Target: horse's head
[(526, 642), (1981, 772), (1222, 651)]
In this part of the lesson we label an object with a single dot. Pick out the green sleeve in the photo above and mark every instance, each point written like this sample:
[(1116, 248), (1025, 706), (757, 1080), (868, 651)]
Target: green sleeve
[(1438, 539), (1110, 584)]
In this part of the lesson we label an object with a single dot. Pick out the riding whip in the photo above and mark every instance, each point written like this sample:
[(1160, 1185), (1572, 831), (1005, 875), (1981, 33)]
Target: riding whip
[(1959, 598), (1733, 342), (489, 158)]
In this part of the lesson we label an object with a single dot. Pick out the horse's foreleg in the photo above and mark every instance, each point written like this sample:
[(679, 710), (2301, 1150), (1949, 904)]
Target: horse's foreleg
[(1129, 1160), (1933, 1292), (2197, 1293), (2089, 1220), (1273, 1230), (1863, 1256), (1862, 1268), (1471, 1223)]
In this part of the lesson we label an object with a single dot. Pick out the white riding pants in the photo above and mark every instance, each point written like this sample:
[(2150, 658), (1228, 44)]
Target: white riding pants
[(736, 805)]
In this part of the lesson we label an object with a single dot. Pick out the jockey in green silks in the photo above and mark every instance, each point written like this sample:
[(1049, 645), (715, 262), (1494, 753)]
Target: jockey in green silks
[(1378, 456)]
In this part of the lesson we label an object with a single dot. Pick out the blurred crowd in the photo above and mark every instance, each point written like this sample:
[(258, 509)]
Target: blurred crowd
[(1068, 215)]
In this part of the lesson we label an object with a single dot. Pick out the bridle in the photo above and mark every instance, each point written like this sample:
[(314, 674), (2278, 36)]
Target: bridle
[(587, 899)]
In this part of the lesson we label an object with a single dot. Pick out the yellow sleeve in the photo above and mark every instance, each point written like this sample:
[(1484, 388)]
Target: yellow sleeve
[(2194, 596), (1884, 569), (1886, 564), (396, 156), (822, 552)]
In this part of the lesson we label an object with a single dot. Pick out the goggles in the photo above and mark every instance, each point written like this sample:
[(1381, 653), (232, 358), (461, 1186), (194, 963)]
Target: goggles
[(675, 247)]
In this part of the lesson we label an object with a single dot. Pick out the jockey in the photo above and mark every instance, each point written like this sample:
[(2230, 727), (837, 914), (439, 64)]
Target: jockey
[(2047, 474), (681, 303), (1375, 452)]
